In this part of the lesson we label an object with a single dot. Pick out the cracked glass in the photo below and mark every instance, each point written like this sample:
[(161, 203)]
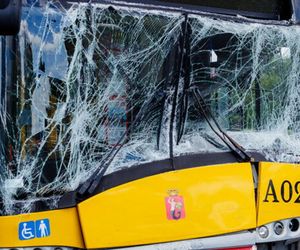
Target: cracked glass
[(88, 86)]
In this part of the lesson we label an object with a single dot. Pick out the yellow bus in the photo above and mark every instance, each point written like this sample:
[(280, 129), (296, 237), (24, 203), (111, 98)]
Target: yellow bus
[(149, 124)]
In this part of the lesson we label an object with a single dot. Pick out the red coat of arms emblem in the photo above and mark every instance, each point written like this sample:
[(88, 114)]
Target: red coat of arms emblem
[(174, 206)]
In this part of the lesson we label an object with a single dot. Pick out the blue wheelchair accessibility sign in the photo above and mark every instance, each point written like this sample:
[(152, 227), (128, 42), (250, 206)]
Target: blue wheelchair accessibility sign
[(34, 229), (26, 230)]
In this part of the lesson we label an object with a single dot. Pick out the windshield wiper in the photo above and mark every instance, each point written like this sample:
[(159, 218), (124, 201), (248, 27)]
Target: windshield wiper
[(203, 108), (89, 186), (213, 142)]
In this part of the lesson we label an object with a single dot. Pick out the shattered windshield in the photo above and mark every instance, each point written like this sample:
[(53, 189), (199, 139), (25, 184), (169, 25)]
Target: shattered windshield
[(80, 81)]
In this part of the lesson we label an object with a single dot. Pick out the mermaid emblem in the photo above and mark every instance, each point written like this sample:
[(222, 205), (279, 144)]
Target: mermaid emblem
[(174, 205)]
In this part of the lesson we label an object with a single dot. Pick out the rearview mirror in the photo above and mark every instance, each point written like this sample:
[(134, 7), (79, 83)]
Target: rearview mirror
[(10, 16)]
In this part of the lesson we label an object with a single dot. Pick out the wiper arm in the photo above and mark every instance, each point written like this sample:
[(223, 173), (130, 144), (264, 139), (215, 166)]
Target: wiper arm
[(89, 186), (236, 149)]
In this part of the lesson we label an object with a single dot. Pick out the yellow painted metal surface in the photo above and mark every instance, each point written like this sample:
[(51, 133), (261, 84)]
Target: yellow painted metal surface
[(64, 229), (278, 192), (184, 204)]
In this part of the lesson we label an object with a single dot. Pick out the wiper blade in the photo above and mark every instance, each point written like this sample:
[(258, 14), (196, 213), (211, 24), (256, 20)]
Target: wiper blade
[(213, 142), (235, 148), (89, 186)]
